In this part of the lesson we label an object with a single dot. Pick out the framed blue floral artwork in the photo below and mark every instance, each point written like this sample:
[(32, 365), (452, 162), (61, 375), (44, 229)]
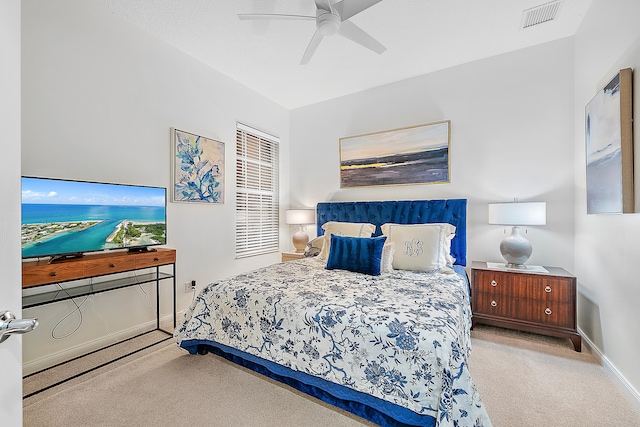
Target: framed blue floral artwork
[(197, 168)]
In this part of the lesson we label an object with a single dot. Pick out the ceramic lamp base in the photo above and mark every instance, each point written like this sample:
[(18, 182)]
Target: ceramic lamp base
[(300, 240), (515, 249)]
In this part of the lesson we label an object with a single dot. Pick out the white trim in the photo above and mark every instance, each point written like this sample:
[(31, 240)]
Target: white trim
[(257, 132), (624, 385)]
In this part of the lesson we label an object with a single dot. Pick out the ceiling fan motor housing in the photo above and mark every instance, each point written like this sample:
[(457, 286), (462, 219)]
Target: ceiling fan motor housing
[(328, 23)]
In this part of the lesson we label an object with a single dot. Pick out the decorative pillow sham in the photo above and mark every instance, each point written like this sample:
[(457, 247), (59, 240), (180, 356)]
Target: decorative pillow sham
[(314, 247), (351, 229), (386, 265), (357, 254), (421, 247)]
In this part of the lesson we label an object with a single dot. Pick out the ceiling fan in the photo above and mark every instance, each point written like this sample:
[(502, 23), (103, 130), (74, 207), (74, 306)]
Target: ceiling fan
[(330, 19)]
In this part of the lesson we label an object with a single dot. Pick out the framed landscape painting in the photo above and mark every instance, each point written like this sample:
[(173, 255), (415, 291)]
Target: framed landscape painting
[(197, 168), (411, 155), (609, 147)]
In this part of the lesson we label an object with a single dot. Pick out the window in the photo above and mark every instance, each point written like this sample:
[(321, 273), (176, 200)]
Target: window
[(257, 222)]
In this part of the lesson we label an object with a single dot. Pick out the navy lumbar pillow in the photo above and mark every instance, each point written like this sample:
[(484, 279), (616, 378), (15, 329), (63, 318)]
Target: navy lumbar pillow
[(358, 254)]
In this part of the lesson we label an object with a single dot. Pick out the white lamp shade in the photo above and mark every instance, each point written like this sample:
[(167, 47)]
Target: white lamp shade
[(300, 216), (518, 213)]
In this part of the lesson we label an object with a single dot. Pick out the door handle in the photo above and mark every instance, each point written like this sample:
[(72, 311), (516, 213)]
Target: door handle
[(10, 325)]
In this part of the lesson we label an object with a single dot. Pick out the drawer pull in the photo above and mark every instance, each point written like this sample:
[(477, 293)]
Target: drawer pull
[(547, 289), (53, 273), (494, 304), (494, 283), (112, 265), (547, 311), (156, 259)]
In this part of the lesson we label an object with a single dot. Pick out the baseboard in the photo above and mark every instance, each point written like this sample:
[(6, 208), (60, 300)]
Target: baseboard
[(84, 348), (610, 369)]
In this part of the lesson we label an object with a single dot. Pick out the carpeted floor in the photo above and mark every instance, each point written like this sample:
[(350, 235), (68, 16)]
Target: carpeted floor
[(43, 380), (523, 379), (530, 380)]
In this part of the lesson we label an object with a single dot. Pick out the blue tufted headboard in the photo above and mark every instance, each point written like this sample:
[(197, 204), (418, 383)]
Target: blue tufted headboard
[(452, 211)]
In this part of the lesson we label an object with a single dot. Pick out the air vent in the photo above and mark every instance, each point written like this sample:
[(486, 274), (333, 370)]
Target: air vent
[(540, 14)]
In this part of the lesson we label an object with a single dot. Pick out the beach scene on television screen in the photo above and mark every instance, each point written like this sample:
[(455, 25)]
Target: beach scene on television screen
[(414, 155), (61, 217)]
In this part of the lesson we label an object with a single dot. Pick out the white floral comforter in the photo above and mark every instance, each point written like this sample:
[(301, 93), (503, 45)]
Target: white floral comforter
[(402, 336)]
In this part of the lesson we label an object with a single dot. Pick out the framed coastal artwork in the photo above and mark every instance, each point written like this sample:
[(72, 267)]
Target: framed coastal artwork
[(197, 168), (410, 155), (609, 147)]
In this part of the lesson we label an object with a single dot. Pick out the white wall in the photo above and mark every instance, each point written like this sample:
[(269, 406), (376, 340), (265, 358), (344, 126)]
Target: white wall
[(607, 247), (511, 136), (99, 98)]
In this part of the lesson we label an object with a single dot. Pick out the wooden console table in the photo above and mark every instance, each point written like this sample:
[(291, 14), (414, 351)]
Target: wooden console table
[(40, 273)]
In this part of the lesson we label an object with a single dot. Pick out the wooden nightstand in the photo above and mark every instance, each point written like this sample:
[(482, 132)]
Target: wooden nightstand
[(539, 302), (290, 256)]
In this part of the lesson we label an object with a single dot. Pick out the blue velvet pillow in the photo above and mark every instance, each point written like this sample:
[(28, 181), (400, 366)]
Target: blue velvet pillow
[(358, 254)]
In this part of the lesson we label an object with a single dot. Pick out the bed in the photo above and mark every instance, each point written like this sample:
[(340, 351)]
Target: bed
[(390, 346)]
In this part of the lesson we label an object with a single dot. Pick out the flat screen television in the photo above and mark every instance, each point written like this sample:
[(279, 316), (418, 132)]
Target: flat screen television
[(65, 218)]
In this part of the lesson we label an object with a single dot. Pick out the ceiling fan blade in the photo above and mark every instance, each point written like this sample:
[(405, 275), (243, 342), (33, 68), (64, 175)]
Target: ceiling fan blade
[(323, 4), (356, 34), (348, 8), (281, 16), (311, 49)]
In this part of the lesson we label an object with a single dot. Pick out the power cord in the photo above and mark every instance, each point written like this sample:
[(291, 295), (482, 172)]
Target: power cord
[(104, 322), (90, 298), (135, 276), (53, 331), (148, 299)]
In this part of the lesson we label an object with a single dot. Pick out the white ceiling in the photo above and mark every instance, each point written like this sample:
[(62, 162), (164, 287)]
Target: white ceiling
[(421, 36)]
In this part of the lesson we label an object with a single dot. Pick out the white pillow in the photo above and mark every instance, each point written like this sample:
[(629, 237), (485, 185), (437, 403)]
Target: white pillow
[(350, 229), (314, 247), (421, 247), (386, 264)]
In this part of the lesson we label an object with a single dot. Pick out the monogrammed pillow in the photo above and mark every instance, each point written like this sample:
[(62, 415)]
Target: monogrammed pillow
[(421, 247)]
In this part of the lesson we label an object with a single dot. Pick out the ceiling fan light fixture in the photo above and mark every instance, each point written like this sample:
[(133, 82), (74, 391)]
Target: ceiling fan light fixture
[(330, 19), (328, 23)]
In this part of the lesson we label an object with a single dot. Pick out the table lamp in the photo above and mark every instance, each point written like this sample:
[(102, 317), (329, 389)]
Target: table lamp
[(516, 249), (300, 217)]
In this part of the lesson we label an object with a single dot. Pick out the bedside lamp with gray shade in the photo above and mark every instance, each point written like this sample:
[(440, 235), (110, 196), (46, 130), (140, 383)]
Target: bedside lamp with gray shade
[(300, 217), (516, 249)]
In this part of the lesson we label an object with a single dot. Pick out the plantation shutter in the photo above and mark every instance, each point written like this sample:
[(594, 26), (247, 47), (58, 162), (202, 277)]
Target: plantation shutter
[(257, 208)]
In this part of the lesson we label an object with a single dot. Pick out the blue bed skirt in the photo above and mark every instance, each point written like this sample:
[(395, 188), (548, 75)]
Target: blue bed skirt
[(363, 405)]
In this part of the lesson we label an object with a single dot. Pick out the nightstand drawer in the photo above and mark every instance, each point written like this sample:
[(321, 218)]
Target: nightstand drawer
[(549, 313), (547, 289), (532, 286), (493, 282), (494, 304)]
